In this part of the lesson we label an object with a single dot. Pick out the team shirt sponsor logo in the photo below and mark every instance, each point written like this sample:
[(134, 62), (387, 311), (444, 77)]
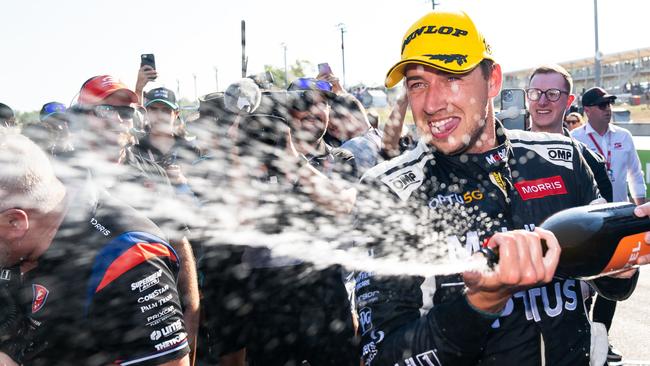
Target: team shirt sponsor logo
[(497, 179), (166, 331), (5, 275), (367, 298), (153, 294), (40, 297), (171, 342), (160, 316), (539, 188), (496, 157), (428, 358), (147, 282), (618, 145), (99, 227), (156, 304), (561, 154), (365, 320), (404, 180), (455, 198)]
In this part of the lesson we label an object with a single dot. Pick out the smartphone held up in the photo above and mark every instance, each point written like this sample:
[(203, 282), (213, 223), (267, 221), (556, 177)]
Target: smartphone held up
[(148, 59)]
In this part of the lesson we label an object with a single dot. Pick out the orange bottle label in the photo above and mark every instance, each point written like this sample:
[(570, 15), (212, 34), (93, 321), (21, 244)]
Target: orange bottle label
[(628, 250)]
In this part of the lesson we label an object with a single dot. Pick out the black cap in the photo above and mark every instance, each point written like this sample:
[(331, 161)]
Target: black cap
[(595, 96), (162, 95)]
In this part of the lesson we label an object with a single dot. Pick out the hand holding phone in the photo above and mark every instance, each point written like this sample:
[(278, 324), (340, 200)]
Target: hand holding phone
[(148, 59), (324, 69)]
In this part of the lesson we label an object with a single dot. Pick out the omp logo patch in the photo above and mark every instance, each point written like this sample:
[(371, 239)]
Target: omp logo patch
[(560, 154), (404, 180), (532, 189)]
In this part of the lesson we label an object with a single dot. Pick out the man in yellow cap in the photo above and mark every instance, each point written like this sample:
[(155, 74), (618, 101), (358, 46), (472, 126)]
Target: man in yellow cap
[(479, 185)]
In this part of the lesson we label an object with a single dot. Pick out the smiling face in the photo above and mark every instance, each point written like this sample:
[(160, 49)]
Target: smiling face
[(547, 115), (453, 112)]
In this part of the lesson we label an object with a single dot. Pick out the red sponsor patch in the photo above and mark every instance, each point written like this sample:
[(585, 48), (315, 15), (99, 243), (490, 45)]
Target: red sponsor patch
[(40, 296), (618, 145), (538, 188)]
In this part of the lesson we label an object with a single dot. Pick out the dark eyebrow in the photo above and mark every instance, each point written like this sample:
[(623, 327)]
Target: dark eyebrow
[(411, 78)]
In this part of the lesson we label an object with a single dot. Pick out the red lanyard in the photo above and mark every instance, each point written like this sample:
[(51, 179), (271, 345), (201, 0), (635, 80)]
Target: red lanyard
[(609, 150)]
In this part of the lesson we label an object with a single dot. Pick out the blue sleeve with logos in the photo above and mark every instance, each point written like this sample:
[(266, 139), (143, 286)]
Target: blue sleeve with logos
[(132, 304)]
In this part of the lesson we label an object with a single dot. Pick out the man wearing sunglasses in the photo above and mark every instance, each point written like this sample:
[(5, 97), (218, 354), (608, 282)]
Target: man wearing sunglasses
[(614, 143), (467, 185)]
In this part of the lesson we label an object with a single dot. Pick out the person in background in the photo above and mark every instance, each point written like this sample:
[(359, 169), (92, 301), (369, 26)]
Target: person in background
[(573, 120), (97, 279), (614, 143), (623, 169), (53, 115), (549, 95)]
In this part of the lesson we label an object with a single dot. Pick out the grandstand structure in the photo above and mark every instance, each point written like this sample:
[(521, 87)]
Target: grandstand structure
[(625, 72)]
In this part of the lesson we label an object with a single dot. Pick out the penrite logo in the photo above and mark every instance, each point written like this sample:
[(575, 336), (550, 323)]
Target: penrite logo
[(532, 189), (40, 296)]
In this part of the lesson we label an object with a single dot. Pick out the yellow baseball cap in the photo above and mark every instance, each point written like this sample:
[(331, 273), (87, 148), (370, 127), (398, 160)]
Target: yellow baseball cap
[(447, 41)]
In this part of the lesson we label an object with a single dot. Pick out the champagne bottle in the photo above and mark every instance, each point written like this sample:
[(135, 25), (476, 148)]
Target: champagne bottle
[(597, 240)]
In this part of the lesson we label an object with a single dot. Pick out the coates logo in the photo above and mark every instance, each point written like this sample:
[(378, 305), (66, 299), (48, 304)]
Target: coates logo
[(531, 189), (496, 157), (40, 296), (404, 180)]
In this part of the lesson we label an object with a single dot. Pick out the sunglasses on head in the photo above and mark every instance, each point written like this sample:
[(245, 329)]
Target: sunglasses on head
[(310, 84), (110, 111), (571, 121)]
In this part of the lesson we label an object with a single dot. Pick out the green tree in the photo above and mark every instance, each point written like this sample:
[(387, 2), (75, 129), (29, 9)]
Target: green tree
[(297, 70)]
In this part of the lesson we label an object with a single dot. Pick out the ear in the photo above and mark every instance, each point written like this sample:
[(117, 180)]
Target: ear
[(570, 100), (495, 81), (14, 223)]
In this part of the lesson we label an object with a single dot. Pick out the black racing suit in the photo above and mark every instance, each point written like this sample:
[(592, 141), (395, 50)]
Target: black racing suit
[(103, 293), (410, 320)]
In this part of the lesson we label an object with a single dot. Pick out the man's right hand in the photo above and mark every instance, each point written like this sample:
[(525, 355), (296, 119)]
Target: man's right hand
[(521, 264)]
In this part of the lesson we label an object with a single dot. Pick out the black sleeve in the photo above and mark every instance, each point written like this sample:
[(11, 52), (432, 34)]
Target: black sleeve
[(587, 187), (597, 165), (615, 289), (138, 316)]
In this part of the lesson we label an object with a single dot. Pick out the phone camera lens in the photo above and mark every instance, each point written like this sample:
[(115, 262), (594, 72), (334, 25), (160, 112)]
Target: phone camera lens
[(507, 96)]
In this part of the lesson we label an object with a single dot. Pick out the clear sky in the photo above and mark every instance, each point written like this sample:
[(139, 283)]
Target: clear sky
[(52, 47)]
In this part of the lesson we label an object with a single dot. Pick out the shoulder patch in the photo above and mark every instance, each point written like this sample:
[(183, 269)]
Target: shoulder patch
[(554, 148), (403, 174)]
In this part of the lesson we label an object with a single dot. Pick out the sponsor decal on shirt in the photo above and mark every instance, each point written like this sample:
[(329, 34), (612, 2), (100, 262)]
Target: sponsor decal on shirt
[(172, 342), (560, 154), (497, 179), (365, 320), (147, 282), (99, 227), (428, 358), (533, 189), (40, 297), (498, 156), (618, 145), (404, 180)]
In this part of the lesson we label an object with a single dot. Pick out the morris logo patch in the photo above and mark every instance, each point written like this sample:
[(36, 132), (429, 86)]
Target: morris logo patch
[(532, 189)]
